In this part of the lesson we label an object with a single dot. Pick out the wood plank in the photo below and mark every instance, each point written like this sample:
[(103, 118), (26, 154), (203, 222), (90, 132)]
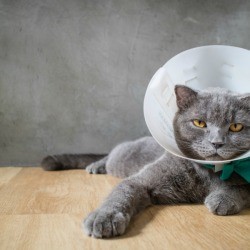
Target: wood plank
[(7, 174), (44, 210), (65, 191)]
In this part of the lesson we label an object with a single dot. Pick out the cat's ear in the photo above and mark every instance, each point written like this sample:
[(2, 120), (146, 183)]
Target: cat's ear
[(184, 96), (245, 99)]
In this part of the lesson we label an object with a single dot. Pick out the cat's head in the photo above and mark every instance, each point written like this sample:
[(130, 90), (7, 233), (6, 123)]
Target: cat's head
[(213, 124)]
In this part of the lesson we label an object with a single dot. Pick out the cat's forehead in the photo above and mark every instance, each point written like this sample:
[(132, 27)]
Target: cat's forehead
[(217, 91), (218, 106), (217, 99)]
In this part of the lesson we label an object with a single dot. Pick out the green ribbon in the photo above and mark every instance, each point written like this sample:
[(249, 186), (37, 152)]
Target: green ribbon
[(241, 167)]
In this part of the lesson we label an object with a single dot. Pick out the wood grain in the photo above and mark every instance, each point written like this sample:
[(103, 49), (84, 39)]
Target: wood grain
[(44, 210)]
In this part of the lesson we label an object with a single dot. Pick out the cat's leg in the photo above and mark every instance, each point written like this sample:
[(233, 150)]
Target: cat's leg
[(98, 167), (228, 200), (161, 182), (114, 215)]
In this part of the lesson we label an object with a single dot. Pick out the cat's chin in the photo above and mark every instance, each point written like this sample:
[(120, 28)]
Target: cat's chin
[(215, 157)]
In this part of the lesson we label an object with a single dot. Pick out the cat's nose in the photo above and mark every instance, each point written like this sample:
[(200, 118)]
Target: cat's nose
[(218, 145)]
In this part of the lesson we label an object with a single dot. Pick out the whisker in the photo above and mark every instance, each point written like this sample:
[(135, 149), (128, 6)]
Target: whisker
[(188, 142), (237, 150)]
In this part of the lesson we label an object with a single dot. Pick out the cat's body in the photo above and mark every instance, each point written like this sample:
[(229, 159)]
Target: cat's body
[(153, 176)]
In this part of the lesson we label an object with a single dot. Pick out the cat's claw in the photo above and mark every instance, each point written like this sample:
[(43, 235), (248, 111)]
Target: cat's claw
[(105, 224), (221, 204)]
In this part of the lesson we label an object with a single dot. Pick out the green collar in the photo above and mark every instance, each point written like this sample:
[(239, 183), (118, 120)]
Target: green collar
[(241, 167)]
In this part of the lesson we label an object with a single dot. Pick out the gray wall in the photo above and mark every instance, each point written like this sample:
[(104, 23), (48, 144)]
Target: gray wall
[(73, 73)]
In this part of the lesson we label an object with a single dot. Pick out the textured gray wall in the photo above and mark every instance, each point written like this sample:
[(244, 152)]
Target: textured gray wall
[(73, 73)]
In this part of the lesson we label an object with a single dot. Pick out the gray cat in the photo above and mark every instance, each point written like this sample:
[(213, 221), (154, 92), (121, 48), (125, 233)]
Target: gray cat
[(210, 125)]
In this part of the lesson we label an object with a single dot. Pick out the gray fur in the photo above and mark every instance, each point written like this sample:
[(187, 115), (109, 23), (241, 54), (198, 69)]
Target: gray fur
[(153, 176), (69, 161), (219, 108)]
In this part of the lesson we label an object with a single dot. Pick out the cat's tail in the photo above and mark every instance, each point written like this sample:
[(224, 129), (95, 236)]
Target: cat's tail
[(69, 161)]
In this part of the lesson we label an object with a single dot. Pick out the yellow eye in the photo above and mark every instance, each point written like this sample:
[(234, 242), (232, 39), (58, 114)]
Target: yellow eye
[(199, 123), (236, 127)]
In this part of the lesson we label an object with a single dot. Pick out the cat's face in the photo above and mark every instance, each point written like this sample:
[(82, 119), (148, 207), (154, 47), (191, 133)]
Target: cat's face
[(212, 124)]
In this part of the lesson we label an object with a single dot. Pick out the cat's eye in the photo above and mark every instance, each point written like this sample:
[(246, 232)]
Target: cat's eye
[(199, 123), (236, 127)]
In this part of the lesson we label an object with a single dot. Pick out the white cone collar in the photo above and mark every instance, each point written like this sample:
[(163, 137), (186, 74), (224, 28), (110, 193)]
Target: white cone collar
[(198, 68)]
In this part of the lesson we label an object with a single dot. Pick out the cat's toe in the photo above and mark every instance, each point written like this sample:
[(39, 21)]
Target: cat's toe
[(89, 169), (101, 224), (222, 204), (93, 169), (88, 223)]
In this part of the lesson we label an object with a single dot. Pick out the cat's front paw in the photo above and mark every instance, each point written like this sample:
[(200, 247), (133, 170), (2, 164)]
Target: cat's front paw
[(105, 224), (222, 204)]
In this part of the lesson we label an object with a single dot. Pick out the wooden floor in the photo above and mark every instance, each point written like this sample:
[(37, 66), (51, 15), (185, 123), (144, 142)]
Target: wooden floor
[(44, 210)]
